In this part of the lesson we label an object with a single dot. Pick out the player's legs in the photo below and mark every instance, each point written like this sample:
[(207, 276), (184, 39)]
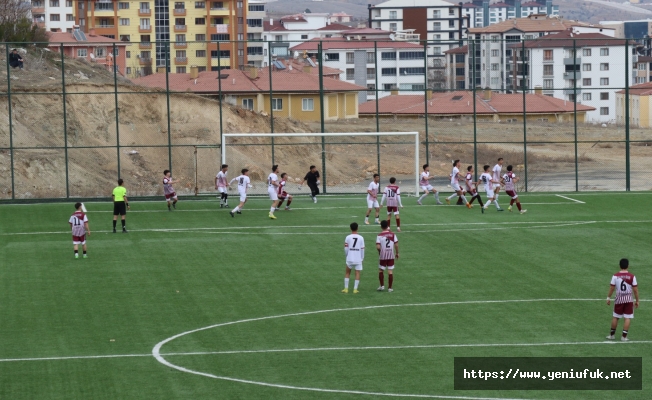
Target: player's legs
[(377, 213), (398, 221), (390, 277), (626, 328), (614, 325), (357, 280), (289, 197), (381, 278), (347, 275), (75, 248), (281, 200), (84, 249), (174, 203), (366, 217)]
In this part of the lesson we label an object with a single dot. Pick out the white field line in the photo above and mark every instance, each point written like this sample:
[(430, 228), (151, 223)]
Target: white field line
[(156, 351), (568, 198)]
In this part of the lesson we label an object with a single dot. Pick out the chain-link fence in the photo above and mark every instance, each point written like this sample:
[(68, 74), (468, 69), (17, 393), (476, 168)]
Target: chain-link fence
[(565, 112)]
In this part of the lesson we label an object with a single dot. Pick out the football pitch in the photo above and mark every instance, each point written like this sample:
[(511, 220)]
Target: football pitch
[(194, 304)]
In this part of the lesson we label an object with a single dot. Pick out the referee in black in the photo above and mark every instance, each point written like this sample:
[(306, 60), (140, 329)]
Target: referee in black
[(312, 177)]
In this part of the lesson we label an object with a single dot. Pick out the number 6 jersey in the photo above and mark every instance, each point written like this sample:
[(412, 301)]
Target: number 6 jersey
[(624, 282)]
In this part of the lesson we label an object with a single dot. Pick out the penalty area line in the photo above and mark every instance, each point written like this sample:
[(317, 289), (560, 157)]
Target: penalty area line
[(568, 198)]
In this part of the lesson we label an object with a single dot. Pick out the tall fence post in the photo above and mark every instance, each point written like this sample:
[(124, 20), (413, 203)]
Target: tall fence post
[(167, 98), (117, 118), (219, 88), (377, 121), (577, 173), (627, 161), (475, 115), (271, 101), (425, 90), (524, 87), (11, 127), (320, 55), (65, 118)]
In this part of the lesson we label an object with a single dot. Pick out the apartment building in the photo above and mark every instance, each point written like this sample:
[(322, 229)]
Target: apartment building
[(481, 13), (588, 68), (184, 32), (53, 15)]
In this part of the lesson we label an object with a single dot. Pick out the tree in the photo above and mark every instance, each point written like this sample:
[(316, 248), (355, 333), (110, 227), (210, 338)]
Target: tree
[(15, 24), (307, 11)]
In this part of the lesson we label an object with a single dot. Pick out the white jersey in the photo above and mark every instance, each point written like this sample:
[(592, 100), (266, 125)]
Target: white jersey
[(487, 181), (424, 179), (270, 179), (354, 249), (624, 282), (221, 179), (509, 181), (497, 170), (373, 188), (386, 240), (243, 183), (455, 176)]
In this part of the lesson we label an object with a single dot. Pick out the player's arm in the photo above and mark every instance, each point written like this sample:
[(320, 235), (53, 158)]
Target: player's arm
[(362, 253), (233, 180), (398, 198), (378, 247), (635, 290), (88, 230), (216, 182), (611, 291), (396, 249), (346, 249), (382, 200), (127, 202)]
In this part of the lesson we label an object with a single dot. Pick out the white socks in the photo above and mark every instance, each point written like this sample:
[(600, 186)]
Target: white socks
[(355, 284), (272, 209), (346, 283)]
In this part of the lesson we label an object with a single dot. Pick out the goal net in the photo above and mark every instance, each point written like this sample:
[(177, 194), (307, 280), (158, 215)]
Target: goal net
[(346, 161)]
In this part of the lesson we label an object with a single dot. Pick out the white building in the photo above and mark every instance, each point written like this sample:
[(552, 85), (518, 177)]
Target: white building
[(53, 15), (255, 16), (400, 65), (482, 13), (596, 72)]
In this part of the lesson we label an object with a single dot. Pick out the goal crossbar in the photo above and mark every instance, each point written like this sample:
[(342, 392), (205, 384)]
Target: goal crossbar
[(334, 134)]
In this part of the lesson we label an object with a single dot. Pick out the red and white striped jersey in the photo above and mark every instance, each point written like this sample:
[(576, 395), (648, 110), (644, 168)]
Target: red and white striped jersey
[(221, 179), (509, 181), (391, 194), (386, 239), (167, 186), (281, 188), (77, 221), (469, 181), (624, 282)]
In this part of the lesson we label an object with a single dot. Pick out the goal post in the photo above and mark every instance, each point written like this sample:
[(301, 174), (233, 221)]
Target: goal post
[(346, 161)]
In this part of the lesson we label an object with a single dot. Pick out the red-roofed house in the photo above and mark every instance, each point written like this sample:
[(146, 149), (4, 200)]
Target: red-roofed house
[(340, 17), (489, 106), (94, 49), (296, 92)]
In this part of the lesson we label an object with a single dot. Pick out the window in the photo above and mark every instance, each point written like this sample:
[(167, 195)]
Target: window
[(586, 96), (350, 74), (548, 83), (350, 58), (144, 6), (436, 50), (371, 58), (495, 67), (180, 39), (255, 51), (371, 89), (393, 27), (217, 5), (200, 21), (201, 69), (388, 55), (254, 23), (371, 73), (436, 26), (128, 54), (70, 17), (100, 52), (220, 54), (604, 96), (181, 70), (278, 38), (604, 81), (145, 55), (642, 66), (54, 3), (604, 110), (604, 66), (82, 52), (412, 71), (548, 70), (586, 52), (239, 4), (604, 51), (128, 71), (460, 71), (55, 17), (124, 21), (257, 7), (586, 67), (451, 23), (200, 4), (392, 15), (123, 5), (451, 11), (460, 58), (248, 104), (411, 55), (388, 72), (277, 104), (201, 37), (220, 37), (68, 3), (547, 55), (494, 80), (200, 53), (332, 57), (304, 37), (495, 53), (586, 82), (307, 105), (144, 23), (436, 13)]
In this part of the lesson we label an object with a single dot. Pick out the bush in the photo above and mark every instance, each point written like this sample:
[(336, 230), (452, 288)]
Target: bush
[(23, 31)]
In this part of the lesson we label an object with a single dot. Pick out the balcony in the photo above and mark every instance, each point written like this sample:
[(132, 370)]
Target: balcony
[(572, 91), (180, 45), (219, 11), (572, 61), (179, 12), (145, 45), (144, 12), (145, 61), (180, 28), (181, 60), (103, 9), (548, 60), (221, 61), (38, 9), (145, 29), (573, 75)]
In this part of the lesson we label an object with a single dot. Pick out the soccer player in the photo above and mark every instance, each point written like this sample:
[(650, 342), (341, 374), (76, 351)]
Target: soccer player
[(392, 194), (426, 186), (509, 179), (168, 190), (120, 205), (244, 183), (472, 187), (354, 250), (497, 171), (387, 246), (79, 224), (372, 199), (624, 282), (282, 194), (489, 182), (222, 186), (455, 184), (312, 177), (272, 188)]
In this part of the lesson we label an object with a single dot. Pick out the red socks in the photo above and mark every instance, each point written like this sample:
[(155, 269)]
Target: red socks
[(381, 278), (518, 204), (391, 280)]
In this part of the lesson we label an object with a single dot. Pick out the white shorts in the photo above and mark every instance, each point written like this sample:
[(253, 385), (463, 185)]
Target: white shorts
[(373, 204), (272, 194), (456, 187), (428, 188), (355, 266), (243, 197), (490, 194), (222, 190), (390, 212)]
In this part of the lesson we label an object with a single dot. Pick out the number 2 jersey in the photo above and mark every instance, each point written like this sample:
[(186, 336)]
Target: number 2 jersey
[(624, 282), (386, 239), (77, 221), (354, 248)]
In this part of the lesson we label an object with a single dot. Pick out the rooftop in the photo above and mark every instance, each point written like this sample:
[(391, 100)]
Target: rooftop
[(533, 24), (413, 3), (569, 39), (68, 38), (643, 89), (458, 50), (342, 44)]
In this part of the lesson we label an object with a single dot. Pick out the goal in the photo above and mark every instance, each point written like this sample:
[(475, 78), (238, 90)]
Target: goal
[(345, 161)]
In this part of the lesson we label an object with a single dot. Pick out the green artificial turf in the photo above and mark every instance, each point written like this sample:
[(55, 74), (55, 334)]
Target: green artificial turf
[(195, 267)]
